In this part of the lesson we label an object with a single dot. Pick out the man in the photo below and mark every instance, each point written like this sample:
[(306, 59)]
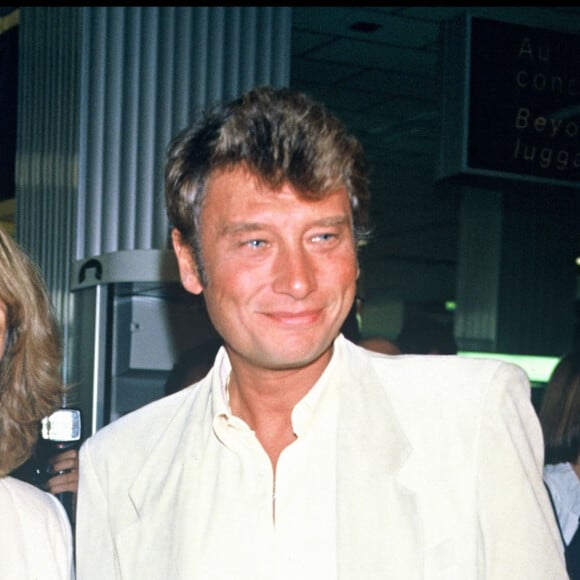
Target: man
[(423, 334), (301, 455), (379, 344)]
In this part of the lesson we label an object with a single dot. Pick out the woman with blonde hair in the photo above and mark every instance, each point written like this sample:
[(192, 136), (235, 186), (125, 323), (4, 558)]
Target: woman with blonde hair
[(560, 420), (35, 533)]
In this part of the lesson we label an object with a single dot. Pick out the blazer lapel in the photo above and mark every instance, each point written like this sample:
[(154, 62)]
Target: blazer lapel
[(161, 539), (378, 520)]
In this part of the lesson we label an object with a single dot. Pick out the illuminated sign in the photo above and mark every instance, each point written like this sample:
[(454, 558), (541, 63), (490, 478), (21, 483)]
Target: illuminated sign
[(511, 102), (538, 368)]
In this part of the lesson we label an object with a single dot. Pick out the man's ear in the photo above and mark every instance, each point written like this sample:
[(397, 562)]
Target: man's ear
[(186, 263)]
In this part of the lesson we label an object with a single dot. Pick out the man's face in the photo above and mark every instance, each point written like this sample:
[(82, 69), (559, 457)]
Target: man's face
[(281, 270)]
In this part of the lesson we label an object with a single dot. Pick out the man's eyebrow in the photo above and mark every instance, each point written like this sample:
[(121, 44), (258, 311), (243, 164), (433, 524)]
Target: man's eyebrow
[(338, 220), (244, 227)]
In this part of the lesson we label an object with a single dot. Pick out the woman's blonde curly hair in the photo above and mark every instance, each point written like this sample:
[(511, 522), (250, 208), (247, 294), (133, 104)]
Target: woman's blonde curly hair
[(30, 376)]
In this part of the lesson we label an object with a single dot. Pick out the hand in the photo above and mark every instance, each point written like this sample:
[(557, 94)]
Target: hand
[(65, 467)]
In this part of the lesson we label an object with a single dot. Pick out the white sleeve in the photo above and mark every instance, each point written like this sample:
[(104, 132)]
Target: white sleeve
[(519, 537)]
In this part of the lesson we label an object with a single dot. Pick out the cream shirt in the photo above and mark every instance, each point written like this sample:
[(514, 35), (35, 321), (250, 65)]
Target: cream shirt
[(281, 529)]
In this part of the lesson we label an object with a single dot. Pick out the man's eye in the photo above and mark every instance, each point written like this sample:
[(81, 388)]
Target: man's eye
[(255, 243), (325, 237)]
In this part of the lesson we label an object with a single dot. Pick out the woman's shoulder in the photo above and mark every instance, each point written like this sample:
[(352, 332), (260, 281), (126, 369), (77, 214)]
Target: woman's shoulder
[(35, 533), (19, 497)]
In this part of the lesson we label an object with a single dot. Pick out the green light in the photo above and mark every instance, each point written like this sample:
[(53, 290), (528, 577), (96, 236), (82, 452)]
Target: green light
[(450, 305), (538, 368)]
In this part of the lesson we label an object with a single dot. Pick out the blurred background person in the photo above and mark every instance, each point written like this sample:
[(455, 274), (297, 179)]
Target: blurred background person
[(35, 533), (423, 334), (64, 476), (560, 420), (192, 365), (380, 344)]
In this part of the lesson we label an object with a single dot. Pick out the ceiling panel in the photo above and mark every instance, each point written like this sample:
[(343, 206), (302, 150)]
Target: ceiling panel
[(362, 53), (394, 83)]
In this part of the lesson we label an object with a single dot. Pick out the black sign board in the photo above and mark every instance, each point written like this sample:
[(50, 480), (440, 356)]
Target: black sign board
[(8, 94), (511, 102)]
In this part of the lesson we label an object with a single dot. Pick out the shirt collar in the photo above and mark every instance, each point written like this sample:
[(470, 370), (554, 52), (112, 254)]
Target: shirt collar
[(303, 412)]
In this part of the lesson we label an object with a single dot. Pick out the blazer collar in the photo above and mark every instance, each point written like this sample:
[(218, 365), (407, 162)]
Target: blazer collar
[(190, 425), (163, 494), (178, 451)]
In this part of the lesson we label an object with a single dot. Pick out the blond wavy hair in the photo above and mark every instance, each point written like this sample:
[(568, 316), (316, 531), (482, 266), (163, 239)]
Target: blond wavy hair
[(30, 379)]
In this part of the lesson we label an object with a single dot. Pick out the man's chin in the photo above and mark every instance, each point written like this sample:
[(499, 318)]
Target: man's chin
[(286, 360)]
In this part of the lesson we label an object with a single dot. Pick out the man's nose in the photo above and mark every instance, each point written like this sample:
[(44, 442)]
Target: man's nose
[(296, 273)]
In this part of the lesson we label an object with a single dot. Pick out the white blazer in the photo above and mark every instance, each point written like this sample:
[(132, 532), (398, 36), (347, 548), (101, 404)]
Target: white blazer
[(35, 534), (439, 477)]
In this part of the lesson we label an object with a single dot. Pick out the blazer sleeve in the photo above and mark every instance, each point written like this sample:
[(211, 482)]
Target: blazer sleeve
[(95, 553), (518, 533)]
